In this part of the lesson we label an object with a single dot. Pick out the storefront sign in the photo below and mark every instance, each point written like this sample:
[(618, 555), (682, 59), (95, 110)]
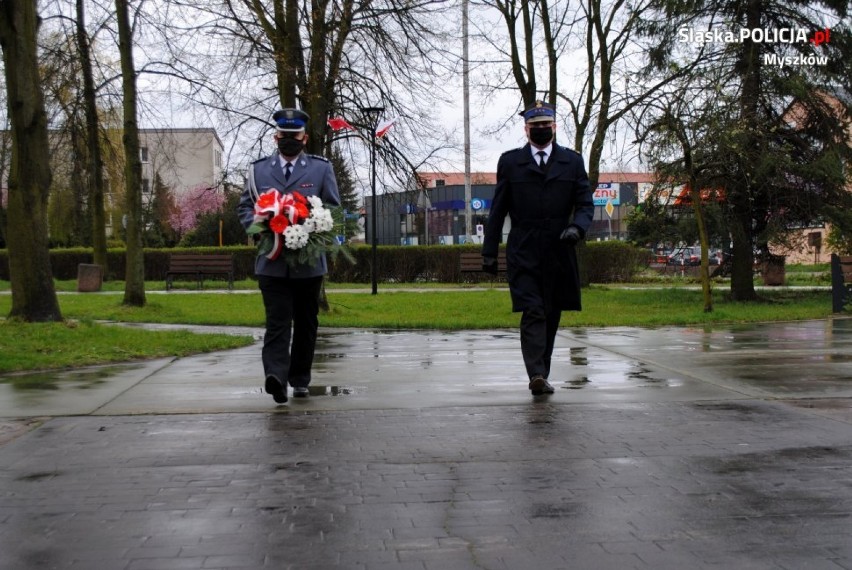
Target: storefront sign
[(608, 192)]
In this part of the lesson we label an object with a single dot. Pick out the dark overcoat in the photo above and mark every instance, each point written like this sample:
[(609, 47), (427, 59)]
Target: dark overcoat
[(312, 176), (540, 202)]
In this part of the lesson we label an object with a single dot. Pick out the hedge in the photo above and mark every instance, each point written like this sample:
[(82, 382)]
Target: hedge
[(601, 262), (64, 262)]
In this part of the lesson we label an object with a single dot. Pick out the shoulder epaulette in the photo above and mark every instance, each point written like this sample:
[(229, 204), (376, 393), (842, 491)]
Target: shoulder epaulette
[(571, 150), (513, 150), (318, 157), (260, 160)]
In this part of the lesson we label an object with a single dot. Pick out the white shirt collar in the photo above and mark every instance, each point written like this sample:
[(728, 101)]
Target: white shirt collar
[(285, 161), (547, 150)]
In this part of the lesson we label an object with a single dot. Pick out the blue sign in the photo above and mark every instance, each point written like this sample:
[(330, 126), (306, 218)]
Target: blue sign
[(608, 192), (476, 204), (449, 205)]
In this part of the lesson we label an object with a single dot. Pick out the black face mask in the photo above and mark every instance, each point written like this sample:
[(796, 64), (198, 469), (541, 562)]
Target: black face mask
[(289, 146), (541, 135)]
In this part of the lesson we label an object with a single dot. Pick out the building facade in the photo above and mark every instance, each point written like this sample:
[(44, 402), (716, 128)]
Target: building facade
[(435, 215), (184, 159)]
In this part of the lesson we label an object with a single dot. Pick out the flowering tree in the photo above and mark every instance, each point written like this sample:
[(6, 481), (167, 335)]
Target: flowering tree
[(193, 203)]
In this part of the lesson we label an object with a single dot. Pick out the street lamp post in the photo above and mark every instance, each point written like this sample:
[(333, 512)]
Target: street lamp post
[(373, 114)]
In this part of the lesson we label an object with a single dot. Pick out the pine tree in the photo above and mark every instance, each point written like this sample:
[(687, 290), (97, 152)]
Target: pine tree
[(348, 194), (780, 137)]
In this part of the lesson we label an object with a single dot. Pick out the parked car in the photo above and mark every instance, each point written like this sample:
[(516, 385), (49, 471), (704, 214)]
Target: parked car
[(685, 256), (715, 256), (660, 256)]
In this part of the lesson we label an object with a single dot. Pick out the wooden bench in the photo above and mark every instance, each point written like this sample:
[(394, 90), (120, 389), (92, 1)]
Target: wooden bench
[(841, 281), (471, 262), (200, 266)]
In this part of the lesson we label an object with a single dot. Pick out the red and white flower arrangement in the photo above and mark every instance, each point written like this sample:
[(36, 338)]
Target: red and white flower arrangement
[(292, 225)]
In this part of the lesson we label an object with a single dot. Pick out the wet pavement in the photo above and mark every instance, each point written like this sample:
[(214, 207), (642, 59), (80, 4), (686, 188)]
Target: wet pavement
[(669, 448)]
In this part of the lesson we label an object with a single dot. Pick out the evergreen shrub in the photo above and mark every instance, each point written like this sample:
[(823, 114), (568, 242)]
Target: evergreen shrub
[(601, 262)]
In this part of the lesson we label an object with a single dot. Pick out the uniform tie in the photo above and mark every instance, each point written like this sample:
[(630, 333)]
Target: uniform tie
[(541, 154), (288, 171)]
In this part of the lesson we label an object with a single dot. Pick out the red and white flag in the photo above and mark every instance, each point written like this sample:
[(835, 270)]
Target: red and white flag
[(384, 127), (339, 123)]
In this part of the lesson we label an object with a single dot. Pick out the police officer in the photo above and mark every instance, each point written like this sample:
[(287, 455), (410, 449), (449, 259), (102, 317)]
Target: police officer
[(290, 294), (544, 189)]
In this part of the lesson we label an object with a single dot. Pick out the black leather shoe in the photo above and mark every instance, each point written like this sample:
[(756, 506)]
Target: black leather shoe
[(301, 392), (539, 386), (273, 386)]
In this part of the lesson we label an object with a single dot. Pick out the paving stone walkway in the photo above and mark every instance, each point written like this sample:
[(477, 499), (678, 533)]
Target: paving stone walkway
[(652, 462)]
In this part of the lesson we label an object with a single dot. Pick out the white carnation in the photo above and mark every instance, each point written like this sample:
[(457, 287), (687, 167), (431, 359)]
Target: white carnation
[(295, 237), (320, 221), (315, 202), (325, 221)]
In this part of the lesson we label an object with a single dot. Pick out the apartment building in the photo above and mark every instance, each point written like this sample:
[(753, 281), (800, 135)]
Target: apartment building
[(185, 159)]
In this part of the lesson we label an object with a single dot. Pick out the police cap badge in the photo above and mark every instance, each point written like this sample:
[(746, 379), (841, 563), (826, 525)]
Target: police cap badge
[(540, 112)]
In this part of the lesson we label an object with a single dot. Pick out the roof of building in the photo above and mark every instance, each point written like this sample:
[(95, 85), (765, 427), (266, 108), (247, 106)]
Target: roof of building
[(457, 178), (626, 177), (186, 130)]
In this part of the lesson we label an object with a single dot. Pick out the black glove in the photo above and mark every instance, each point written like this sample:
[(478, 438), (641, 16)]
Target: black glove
[(489, 265), (571, 234)]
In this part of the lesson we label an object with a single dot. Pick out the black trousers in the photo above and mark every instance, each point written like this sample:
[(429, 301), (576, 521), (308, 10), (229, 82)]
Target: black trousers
[(538, 334), (292, 306)]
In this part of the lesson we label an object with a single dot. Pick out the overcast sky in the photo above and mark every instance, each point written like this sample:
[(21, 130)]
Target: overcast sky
[(488, 111)]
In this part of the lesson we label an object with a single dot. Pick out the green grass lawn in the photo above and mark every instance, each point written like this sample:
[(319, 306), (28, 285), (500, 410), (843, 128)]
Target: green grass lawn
[(28, 346), (463, 309), (32, 346)]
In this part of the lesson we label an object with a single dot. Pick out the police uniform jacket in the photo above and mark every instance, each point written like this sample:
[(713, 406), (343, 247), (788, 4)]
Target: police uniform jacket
[(311, 176), (540, 202)]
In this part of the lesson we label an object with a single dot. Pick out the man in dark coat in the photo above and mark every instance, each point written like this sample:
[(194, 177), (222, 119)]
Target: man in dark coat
[(290, 293), (544, 189)]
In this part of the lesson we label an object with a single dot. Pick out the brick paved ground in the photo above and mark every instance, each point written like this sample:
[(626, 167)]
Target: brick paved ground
[(673, 448), (669, 485)]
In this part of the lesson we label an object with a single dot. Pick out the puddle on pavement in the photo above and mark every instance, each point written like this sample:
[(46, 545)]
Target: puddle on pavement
[(330, 390), (55, 380), (617, 374), (578, 356), (577, 384), (745, 409)]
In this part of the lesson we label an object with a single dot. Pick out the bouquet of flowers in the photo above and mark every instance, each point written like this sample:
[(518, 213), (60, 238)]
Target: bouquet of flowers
[(292, 225)]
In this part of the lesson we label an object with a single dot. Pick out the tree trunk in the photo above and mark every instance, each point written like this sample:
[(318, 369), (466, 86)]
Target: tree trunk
[(524, 73), (96, 165), (33, 294), (748, 69), (698, 208), (742, 263), (134, 287), (5, 159), (81, 225)]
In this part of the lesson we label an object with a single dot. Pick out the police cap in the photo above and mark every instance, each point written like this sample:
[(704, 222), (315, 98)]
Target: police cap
[(540, 112), (290, 120)]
